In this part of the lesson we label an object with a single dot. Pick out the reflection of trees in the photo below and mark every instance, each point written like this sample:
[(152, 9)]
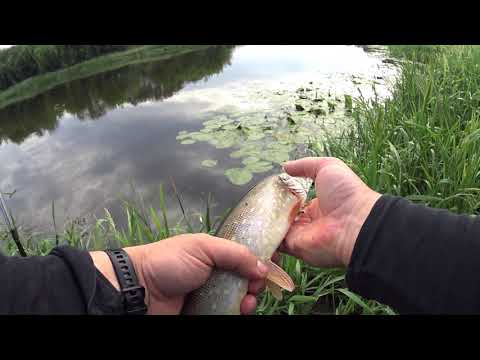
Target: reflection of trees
[(93, 97)]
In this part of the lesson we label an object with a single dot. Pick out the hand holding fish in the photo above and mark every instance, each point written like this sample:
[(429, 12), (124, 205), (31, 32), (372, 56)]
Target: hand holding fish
[(172, 268), (325, 234)]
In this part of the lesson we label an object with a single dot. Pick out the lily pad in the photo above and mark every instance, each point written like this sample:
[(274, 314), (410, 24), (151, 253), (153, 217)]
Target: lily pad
[(229, 127), (182, 136), (188, 142), (260, 166), (200, 136), (250, 160), (253, 136), (247, 150), (238, 154), (275, 156), (209, 163), (283, 138), (279, 147), (239, 176), (222, 143), (217, 122)]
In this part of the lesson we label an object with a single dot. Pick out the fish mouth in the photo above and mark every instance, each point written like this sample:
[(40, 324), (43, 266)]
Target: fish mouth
[(299, 186)]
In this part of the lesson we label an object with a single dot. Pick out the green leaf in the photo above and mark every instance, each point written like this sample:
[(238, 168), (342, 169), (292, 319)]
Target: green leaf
[(301, 299), (198, 136), (239, 176), (275, 156), (250, 160), (209, 163), (259, 167), (356, 299), (188, 142)]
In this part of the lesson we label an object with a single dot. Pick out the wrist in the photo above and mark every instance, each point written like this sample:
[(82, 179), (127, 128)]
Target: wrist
[(104, 265), (136, 254), (358, 215)]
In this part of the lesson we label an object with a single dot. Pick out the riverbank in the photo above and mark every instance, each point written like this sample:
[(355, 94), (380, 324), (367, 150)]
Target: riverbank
[(39, 84), (25, 61)]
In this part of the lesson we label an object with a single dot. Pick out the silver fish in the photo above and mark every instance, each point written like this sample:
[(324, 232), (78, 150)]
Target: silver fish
[(260, 221)]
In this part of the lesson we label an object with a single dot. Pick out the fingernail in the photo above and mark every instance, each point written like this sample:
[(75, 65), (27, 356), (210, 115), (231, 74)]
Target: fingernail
[(262, 268)]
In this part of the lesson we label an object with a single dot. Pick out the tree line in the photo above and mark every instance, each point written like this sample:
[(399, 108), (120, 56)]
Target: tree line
[(21, 62)]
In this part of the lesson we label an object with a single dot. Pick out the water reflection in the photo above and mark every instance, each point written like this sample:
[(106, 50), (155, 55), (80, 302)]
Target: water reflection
[(93, 97), (83, 143)]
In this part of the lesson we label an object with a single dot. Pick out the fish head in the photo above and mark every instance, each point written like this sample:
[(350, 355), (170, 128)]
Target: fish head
[(299, 186)]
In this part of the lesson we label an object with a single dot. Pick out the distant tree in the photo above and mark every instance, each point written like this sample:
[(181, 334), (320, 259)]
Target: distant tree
[(24, 61)]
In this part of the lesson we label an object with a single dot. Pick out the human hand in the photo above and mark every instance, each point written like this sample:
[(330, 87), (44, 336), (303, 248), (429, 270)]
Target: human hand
[(325, 234), (172, 268)]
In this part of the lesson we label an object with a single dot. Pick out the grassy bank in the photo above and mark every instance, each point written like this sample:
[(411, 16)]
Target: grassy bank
[(39, 84), (423, 143), (21, 62)]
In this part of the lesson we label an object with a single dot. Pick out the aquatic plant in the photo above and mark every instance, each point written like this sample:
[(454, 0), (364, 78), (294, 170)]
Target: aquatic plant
[(263, 140)]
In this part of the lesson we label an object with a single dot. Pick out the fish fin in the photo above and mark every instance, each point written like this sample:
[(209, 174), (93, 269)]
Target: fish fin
[(275, 290), (279, 277)]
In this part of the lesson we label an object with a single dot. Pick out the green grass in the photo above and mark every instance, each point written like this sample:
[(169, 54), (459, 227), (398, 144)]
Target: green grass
[(423, 143), (39, 84), (419, 53)]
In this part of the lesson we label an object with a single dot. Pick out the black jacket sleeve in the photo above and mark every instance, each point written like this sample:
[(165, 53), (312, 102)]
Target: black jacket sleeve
[(417, 259), (63, 282)]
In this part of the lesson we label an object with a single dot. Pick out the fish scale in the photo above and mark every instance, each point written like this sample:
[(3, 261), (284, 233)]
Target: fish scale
[(260, 221)]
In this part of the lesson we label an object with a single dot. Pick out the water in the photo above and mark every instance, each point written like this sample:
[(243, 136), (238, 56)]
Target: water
[(84, 143)]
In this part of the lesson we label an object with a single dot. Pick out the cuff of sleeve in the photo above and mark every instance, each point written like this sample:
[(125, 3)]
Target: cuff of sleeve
[(362, 275), (99, 296)]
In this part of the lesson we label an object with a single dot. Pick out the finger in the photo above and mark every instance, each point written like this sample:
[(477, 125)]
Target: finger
[(231, 256), (248, 305), (307, 167), (256, 287)]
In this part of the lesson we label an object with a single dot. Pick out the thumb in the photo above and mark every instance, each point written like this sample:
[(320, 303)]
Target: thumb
[(231, 256), (307, 167)]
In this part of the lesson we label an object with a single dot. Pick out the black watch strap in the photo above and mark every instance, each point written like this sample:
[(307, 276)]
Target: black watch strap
[(132, 292)]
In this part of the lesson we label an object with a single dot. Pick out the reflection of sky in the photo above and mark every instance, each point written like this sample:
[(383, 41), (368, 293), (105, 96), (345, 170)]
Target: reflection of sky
[(281, 63), (85, 166)]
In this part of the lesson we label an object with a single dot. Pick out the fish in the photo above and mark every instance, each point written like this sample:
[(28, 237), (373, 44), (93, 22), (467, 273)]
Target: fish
[(260, 221)]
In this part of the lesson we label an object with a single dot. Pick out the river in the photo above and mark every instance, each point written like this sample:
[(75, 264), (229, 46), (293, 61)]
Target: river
[(82, 144)]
